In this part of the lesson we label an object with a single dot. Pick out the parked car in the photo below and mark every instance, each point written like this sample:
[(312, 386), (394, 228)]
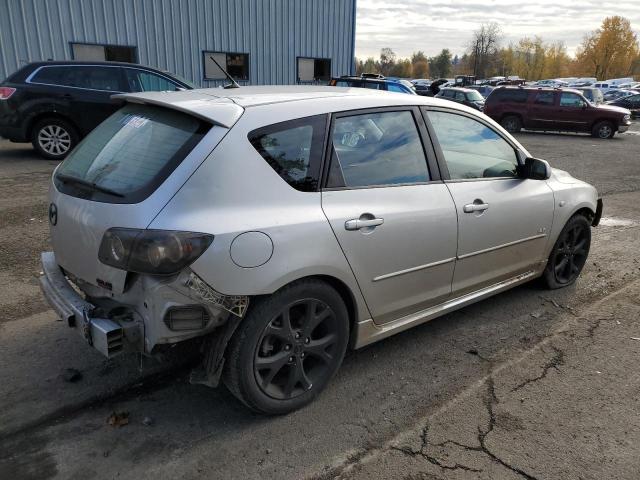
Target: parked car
[(373, 81), (484, 90), (630, 85), (54, 104), (619, 93), (423, 89), (189, 216), (631, 103), (466, 96), (594, 95), (554, 110)]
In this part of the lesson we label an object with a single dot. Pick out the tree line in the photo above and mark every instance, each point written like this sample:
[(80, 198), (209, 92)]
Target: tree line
[(611, 51)]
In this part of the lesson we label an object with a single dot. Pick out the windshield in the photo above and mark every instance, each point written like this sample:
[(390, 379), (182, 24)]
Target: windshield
[(474, 96), (130, 154)]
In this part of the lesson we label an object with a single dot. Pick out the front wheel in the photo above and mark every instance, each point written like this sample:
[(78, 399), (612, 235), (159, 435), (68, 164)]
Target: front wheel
[(287, 348), (569, 253), (603, 130)]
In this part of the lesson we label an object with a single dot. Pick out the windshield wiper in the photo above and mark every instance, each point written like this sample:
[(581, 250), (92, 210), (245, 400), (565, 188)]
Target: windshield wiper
[(87, 184)]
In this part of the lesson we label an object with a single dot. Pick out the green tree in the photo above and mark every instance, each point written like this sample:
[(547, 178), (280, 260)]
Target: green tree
[(440, 65)]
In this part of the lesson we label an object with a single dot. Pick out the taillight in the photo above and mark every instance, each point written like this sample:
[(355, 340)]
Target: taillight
[(156, 252), (6, 92)]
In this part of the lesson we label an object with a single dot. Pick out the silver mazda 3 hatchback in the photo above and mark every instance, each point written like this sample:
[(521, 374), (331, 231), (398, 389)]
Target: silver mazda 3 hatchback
[(274, 227)]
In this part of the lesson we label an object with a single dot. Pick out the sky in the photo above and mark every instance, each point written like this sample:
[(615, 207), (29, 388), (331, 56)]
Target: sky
[(431, 25)]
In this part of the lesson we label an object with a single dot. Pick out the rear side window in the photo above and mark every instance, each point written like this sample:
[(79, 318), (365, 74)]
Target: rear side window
[(509, 95), (130, 154), (376, 149), (143, 81), (293, 149), (394, 87), (90, 77), (544, 98), (50, 76)]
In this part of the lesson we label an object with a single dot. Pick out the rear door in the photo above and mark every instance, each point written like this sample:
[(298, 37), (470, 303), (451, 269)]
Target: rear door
[(393, 217), (503, 220), (542, 110)]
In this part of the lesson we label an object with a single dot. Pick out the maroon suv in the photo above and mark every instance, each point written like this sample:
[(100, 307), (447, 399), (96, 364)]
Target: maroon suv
[(554, 109)]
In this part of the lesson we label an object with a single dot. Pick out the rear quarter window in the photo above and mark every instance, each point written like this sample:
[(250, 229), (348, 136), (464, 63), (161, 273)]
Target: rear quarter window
[(509, 96), (293, 149), (129, 154)]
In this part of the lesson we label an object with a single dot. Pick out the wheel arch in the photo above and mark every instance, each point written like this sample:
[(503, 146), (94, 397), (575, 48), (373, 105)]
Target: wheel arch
[(612, 121), (33, 121)]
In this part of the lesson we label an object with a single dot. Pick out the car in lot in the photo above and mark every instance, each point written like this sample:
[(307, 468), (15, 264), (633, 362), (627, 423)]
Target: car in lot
[(466, 96), (278, 226), (374, 81), (484, 90), (423, 89), (631, 103), (620, 93), (554, 109), (594, 95), (54, 105)]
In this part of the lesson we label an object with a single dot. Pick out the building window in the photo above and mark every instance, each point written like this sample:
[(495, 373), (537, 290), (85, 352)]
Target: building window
[(92, 52), (314, 69), (236, 64)]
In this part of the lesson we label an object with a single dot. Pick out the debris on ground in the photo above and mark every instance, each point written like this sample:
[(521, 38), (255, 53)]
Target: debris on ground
[(118, 419), (71, 375), (536, 314), (148, 421), (473, 351)]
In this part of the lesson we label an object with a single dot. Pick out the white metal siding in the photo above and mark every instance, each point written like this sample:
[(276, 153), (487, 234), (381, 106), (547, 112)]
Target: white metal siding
[(171, 34)]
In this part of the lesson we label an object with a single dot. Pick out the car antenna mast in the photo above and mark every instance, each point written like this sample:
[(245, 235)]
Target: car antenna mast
[(233, 84)]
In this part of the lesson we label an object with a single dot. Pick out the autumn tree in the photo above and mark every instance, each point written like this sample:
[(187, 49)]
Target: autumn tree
[(609, 51), (440, 65), (387, 61), (483, 48), (419, 65)]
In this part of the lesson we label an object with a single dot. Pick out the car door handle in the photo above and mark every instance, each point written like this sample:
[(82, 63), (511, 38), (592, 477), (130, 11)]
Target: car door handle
[(475, 207), (357, 224)]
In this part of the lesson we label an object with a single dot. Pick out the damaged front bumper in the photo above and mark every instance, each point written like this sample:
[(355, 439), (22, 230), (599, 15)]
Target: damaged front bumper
[(107, 336)]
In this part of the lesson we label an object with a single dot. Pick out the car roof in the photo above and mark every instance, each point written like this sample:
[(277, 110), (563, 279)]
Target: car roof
[(458, 89), (224, 106)]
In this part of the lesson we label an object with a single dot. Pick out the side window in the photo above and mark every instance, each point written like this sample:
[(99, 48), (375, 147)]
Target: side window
[(544, 98), (348, 83), (511, 95), (293, 149), (471, 149), (372, 85), (94, 78), (571, 100), (460, 96), (50, 76), (143, 81), (394, 87), (377, 149)]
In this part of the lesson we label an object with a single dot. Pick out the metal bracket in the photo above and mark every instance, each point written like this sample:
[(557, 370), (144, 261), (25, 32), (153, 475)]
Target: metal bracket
[(86, 327)]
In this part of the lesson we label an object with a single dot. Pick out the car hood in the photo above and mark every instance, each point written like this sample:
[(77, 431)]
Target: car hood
[(613, 108)]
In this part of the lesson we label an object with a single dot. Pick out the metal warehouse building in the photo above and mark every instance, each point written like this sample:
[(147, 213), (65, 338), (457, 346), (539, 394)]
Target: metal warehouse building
[(258, 41)]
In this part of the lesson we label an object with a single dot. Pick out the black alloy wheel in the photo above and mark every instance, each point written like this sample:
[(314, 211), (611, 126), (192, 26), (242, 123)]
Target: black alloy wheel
[(569, 254)]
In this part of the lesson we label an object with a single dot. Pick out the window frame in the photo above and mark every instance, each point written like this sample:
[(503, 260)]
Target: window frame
[(96, 44), (427, 147), (442, 164), (226, 53), (299, 57)]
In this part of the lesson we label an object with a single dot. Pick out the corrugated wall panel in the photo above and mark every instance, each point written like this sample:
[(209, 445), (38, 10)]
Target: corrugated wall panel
[(171, 34)]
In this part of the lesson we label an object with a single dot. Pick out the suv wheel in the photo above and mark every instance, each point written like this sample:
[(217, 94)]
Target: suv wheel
[(511, 123), (287, 348), (569, 254), (603, 130), (54, 138)]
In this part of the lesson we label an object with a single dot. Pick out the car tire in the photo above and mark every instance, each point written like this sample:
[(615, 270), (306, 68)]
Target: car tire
[(54, 138), (511, 123), (287, 348), (603, 130), (569, 254)]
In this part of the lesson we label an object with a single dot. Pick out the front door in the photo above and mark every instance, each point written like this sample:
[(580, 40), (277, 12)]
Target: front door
[(503, 220), (395, 221), (571, 113)]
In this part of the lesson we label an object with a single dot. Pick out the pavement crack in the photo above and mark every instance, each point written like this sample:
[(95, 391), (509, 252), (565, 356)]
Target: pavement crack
[(423, 452), (490, 401), (554, 362)]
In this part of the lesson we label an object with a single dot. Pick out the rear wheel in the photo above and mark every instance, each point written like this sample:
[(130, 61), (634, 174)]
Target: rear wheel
[(54, 138), (603, 130), (288, 347), (569, 254), (511, 123)]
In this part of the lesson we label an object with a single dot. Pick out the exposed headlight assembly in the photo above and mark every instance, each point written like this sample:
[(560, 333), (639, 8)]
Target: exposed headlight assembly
[(154, 252)]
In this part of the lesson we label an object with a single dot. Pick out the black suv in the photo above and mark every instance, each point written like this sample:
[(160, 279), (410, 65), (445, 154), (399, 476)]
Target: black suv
[(54, 104), (466, 96)]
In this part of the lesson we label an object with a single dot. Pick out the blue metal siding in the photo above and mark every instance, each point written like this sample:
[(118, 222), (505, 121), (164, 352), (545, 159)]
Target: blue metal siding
[(171, 34)]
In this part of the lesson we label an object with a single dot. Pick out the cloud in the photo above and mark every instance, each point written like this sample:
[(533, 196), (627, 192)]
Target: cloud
[(431, 25)]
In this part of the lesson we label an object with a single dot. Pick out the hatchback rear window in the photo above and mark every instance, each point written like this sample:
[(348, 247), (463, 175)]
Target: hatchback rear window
[(130, 154)]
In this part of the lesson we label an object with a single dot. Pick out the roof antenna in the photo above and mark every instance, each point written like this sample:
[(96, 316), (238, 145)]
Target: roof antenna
[(233, 84)]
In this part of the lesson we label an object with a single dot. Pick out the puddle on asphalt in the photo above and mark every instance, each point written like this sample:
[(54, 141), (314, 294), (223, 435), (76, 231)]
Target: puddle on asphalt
[(617, 222)]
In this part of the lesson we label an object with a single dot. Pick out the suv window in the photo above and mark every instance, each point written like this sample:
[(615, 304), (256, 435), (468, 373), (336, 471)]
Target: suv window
[(568, 99), (509, 95), (460, 96), (293, 149), (90, 76), (131, 153), (377, 149), (471, 149), (50, 76), (143, 81), (394, 87), (544, 98)]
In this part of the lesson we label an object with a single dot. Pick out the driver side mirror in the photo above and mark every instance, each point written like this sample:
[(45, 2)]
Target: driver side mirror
[(535, 169)]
